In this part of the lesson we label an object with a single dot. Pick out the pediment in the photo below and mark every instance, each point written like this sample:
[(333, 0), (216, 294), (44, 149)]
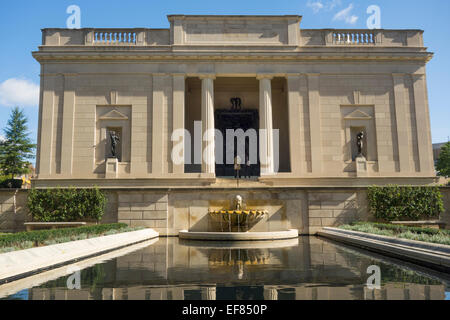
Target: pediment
[(114, 115), (357, 115)]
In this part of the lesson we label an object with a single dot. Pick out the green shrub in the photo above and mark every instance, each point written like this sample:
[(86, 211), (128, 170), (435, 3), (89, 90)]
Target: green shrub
[(66, 205), (399, 231), (389, 203), (41, 237)]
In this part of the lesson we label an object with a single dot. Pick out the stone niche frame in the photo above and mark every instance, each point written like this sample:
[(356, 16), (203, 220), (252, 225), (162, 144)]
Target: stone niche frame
[(116, 117), (358, 116)]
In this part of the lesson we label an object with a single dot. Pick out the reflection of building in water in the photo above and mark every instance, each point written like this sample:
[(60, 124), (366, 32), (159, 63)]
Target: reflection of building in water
[(315, 270), (231, 257)]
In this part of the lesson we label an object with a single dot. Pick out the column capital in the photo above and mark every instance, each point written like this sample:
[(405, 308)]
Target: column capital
[(207, 76), (264, 76), (417, 76), (184, 75), (398, 74)]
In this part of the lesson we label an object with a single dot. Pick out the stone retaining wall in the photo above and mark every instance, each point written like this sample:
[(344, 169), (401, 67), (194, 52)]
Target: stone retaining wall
[(168, 212)]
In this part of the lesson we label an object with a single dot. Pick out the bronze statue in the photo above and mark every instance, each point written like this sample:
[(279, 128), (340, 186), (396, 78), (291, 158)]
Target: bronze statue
[(359, 142), (114, 140)]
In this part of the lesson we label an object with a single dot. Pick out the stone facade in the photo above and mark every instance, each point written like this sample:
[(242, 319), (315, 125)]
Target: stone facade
[(318, 87)]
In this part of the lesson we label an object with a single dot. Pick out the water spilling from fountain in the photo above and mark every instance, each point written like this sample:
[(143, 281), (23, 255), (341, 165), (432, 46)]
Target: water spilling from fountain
[(236, 224), (238, 219)]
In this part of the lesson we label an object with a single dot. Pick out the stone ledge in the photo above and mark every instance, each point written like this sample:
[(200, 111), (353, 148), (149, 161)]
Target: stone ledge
[(238, 236), (434, 256), (20, 264), (38, 279)]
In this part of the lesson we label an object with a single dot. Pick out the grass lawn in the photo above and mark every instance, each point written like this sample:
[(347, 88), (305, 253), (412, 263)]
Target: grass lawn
[(411, 233), (25, 240)]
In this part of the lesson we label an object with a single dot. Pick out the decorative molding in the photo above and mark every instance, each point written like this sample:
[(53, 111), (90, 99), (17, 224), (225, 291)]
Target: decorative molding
[(357, 115), (114, 115)]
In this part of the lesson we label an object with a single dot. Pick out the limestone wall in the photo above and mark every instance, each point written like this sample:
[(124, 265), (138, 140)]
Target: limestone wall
[(13, 212), (168, 212)]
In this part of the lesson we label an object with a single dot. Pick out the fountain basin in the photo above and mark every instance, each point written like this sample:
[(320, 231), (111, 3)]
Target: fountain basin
[(238, 236)]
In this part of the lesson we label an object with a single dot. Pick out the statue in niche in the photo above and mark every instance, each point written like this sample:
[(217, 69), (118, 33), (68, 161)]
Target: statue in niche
[(360, 143), (115, 139)]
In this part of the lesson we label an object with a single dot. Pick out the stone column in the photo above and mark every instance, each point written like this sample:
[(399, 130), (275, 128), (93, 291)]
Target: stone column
[(402, 127), (162, 87), (68, 125), (178, 115), (314, 123), (208, 156), (265, 123), (423, 124), (46, 123), (293, 82)]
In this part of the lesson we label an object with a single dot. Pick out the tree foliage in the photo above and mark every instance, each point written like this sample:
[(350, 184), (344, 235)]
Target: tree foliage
[(16, 148), (443, 162)]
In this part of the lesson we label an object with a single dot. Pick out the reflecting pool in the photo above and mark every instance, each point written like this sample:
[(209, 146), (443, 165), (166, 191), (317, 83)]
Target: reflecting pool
[(307, 268)]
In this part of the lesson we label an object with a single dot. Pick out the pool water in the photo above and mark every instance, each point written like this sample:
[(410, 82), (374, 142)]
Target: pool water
[(307, 268)]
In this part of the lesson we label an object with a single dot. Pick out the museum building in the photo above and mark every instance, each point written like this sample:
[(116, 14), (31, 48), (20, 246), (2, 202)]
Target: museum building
[(334, 111)]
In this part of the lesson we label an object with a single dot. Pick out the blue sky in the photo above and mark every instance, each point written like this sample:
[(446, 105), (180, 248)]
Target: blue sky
[(22, 20)]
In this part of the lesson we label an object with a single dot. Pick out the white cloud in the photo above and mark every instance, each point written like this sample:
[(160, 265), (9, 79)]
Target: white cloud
[(2, 138), (19, 92), (317, 5), (346, 15)]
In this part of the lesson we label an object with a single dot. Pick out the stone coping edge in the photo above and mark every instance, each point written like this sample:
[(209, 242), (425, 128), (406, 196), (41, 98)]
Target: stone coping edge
[(24, 263), (408, 250), (238, 236)]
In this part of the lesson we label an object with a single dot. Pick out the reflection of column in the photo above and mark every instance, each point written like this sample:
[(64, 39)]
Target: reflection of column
[(209, 293), (178, 115), (208, 157), (270, 294), (265, 123)]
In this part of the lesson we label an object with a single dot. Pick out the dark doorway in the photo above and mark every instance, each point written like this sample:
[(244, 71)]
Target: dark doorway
[(234, 119)]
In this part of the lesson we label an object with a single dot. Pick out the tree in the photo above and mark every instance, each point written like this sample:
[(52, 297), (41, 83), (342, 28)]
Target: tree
[(443, 162), (16, 148)]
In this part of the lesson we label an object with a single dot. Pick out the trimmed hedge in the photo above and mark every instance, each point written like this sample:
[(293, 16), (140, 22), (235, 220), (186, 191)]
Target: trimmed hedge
[(66, 205), (38, 237), (392, 202)]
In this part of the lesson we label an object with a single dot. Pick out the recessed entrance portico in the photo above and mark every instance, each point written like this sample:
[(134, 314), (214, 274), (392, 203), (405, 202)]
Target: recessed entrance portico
[(256, 96)]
